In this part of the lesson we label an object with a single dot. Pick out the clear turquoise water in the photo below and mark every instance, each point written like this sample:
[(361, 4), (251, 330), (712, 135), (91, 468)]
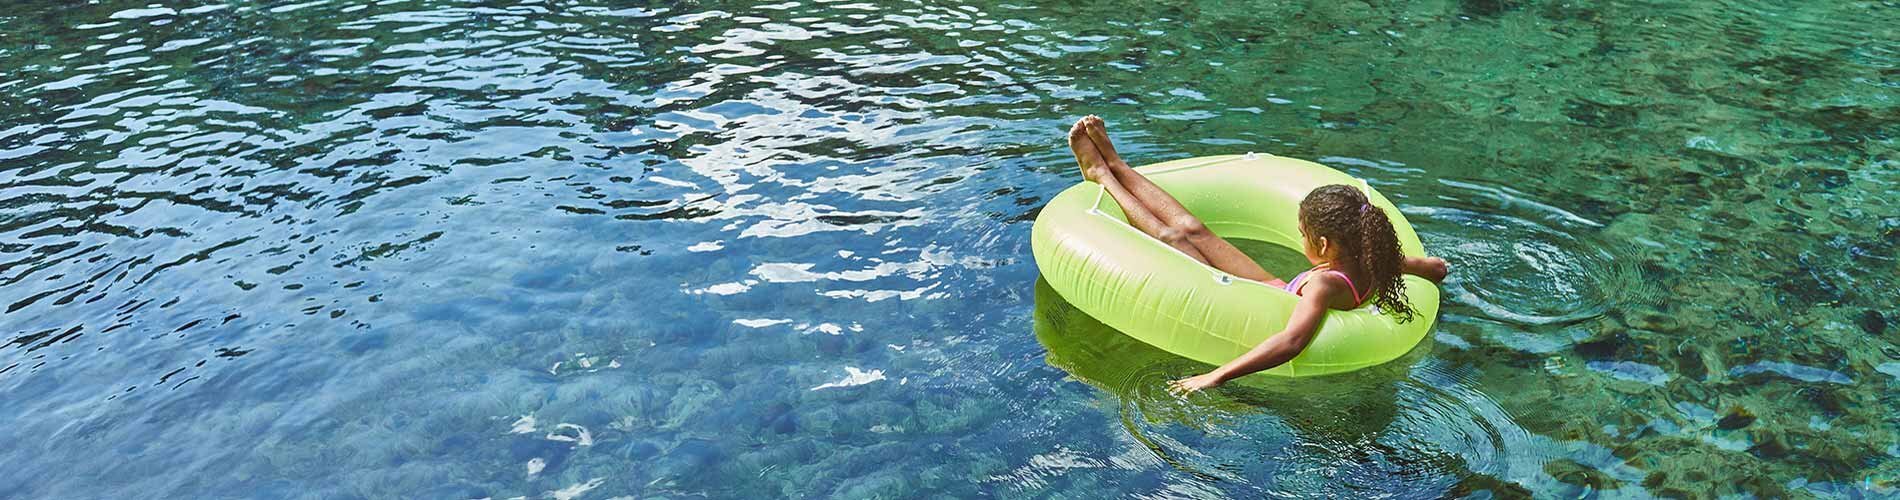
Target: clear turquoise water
[(433, 249)]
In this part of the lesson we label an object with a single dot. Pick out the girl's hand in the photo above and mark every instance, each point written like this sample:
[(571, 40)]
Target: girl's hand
[(1431, 268), (1194, 384)]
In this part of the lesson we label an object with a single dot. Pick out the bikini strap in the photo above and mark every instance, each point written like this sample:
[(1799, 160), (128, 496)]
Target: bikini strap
[(1356, 298), (1300, 280)]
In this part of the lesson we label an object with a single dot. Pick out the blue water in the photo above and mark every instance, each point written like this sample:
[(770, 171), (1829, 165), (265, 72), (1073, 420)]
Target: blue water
[(439, 249)]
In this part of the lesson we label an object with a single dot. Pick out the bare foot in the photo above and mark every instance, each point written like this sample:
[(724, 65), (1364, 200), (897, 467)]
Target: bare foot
[(1098, 133), (1094, 167)]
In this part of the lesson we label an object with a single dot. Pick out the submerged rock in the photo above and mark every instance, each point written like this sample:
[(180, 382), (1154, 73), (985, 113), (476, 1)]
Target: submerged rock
[(1577, 474), (1605, 347), (1487, 8), (1601, 115), (1737, 417), (1479, 482), (1769, 446), (1689, 363), (1873, 322), (695, 455), (1655, 321), (778, 417), (1853, 123), (1830, 401)]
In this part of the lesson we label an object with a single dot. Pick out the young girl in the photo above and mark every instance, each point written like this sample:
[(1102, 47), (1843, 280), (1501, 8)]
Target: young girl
[(1352, 247)]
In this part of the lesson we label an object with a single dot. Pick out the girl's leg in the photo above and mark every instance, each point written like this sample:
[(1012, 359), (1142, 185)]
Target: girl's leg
[(1217, 252), (1095, 168)]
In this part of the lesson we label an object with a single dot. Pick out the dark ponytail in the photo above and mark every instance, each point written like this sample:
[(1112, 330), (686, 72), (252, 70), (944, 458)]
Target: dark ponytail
[(1343, 215)]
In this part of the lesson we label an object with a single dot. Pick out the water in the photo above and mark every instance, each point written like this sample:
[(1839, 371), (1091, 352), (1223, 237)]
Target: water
[(574, 250)]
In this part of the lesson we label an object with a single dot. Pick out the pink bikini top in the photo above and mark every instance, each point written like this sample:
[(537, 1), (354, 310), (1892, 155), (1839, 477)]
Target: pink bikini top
[(1300, 279)]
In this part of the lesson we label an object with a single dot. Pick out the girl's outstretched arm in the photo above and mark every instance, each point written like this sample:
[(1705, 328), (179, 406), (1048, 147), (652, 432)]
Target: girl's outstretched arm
[(1276, 350)]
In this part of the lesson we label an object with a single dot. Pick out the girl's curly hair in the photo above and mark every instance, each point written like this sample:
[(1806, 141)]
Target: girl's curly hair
[(1344, 216)]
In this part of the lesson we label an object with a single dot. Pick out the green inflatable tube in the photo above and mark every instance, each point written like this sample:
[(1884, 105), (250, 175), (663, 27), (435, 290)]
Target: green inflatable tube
[(1142, 287)]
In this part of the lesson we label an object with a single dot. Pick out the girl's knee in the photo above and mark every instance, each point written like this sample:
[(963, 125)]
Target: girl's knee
[(1192, 229), (1172, 235)]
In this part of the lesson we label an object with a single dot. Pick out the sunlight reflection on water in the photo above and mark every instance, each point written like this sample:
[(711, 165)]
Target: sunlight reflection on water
[(439, 249)]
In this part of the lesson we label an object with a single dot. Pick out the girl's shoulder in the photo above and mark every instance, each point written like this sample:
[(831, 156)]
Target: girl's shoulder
[(1335, 287)]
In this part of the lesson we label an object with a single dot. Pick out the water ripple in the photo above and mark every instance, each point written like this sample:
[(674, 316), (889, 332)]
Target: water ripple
[(280, 240), (1535, 264)]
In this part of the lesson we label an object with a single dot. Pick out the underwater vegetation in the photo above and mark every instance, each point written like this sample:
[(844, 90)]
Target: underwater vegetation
[(780, 249)]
